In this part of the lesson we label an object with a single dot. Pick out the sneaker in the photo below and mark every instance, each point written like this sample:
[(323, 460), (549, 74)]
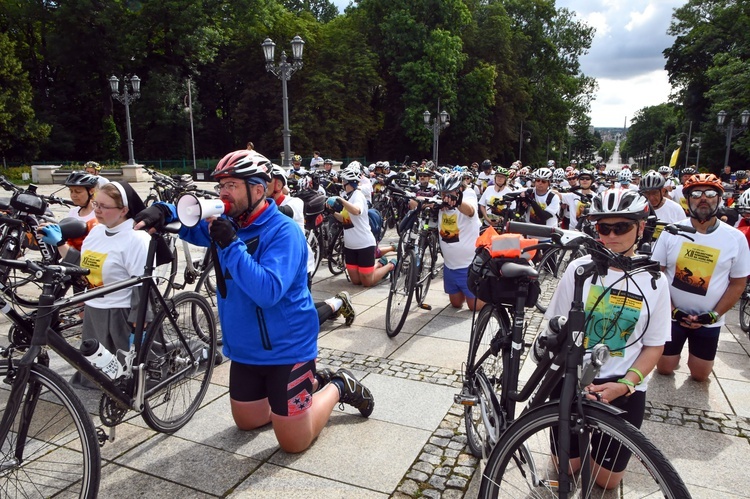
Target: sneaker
[(355, 393), (323, 376), (347, 309), (383, 261)]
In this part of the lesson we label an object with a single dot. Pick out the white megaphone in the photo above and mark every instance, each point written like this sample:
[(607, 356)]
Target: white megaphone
[(191, 210)]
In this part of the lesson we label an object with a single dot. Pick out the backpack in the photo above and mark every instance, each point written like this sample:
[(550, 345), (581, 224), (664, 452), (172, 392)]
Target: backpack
[(376, 224)]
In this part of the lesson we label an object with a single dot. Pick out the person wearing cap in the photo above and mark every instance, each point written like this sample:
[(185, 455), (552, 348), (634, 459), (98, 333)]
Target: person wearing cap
[(707, 273), (269, 322), (94, 168)]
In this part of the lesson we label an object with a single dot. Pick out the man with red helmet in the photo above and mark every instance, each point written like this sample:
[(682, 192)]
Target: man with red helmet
[(707, 275), (268, 319)]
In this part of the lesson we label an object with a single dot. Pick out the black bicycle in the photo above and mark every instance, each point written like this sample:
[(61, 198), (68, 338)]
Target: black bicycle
[(528, 456), (48, 443), (745, 308)]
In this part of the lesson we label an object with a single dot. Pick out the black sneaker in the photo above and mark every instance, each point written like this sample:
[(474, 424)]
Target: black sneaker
[(355, 393), (347, 309), (323, 376)]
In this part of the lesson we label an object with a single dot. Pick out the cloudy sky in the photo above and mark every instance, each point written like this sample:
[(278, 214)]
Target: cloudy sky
[(626, 54)]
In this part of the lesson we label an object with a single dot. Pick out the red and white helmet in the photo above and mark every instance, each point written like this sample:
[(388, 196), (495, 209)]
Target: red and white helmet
[(244, 164)]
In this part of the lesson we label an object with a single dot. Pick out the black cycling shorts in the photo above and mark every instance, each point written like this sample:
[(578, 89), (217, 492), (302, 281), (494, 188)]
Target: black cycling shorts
[(702, 342), (289, 388), (362, 260)]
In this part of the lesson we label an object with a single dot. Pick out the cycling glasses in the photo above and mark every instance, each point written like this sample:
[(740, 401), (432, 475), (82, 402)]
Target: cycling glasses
[(619, 228), (710, 194)]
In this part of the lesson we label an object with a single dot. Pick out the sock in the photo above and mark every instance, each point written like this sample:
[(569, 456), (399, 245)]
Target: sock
[(339, 384), (335, 303)]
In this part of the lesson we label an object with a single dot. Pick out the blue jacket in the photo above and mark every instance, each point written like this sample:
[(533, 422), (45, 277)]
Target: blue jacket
[(268, 316)]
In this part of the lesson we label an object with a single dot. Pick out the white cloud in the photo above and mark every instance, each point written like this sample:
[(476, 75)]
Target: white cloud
[(620, 99)]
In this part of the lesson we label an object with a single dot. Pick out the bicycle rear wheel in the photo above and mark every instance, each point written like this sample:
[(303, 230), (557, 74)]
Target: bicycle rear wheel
[(336, 262), (54, 449), (485, 419), (745, 311), (165, 274), (179, 360), (521, 464), (206, 287), (402, 290), (312, 240), (426, 268)]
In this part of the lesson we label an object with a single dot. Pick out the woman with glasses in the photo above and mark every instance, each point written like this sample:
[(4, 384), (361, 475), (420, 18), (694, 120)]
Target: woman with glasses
[(626, 312)]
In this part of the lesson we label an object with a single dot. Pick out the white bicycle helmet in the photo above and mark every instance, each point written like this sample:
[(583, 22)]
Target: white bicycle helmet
[(449, 182), (625, 176), (278, 172), (665, 170), (543, 174), (619, 203), (350, 174), (652, 181), (743, 202), (243, 164), (551, 163), (559, 175), (637, 173), (353, 165)]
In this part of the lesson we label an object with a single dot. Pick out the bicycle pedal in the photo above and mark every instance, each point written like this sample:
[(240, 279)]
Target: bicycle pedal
[(462, 399)]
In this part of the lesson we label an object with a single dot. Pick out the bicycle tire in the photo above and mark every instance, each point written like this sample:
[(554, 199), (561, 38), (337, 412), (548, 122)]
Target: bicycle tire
[(312, 240), (165, 274), (513, 469), (336, 262), (426, 269), (484, 422), (168, 407), (23, 289), (206, 287), (60, 450), (150, 199), (551, 267), (402, 291), (745, 311)]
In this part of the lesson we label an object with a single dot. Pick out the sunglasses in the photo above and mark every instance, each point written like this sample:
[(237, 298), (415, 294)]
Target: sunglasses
[(619, 228), (709, 194)]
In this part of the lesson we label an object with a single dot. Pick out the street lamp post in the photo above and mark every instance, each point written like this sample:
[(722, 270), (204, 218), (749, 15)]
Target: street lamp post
[(437, 125), (126, 97), (523, 133), (284, 71), (732, 132), (696, 142)]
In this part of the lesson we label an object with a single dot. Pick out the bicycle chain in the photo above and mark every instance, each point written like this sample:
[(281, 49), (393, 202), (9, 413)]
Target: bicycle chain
[(109, 412)]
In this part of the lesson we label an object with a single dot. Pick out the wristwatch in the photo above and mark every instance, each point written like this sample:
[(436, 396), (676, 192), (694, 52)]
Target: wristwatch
[(629, 384)]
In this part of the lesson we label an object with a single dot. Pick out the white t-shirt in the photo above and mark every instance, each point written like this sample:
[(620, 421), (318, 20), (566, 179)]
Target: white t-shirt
[(626, 318), (669, 212), (553, 208), (365, 186), (699, 271), (298, 211), (357, 233), (490, 196), (73, 213), (484, 180), (114, 255), (679, 198), (575, 207), (458, 235)]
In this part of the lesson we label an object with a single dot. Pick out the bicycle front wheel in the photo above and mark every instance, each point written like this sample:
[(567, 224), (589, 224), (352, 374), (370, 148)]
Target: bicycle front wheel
[(402, 288), (336, 262), (745, 311), (206, 287), (426, 267), (51, 446), (179, 356), (165, 273), (521, 465), (485, 419), (312, 240)]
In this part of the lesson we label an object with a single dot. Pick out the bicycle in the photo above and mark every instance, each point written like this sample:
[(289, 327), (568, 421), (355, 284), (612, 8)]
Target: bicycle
[(745, 309), (418, 251), (48, 442), (515, 448)]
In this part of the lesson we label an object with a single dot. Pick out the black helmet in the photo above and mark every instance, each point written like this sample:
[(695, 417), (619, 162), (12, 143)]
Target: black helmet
[(486, 164), (81, 179)]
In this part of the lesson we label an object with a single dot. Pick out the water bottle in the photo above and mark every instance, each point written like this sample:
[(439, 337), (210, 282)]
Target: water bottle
[(548, 340), (103, 359)]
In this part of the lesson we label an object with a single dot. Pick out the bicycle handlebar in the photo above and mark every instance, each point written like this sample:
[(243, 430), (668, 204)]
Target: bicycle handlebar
[(11, 221), (30, 267)]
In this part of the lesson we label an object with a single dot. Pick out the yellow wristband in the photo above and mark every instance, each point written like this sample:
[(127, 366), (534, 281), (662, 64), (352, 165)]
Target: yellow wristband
[(638, 373)]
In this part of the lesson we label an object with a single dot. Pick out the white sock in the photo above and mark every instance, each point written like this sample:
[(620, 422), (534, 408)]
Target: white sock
[(335, 303)]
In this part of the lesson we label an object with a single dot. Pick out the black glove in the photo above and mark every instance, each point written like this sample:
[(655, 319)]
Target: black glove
[(707, 318), (222, 232), (679, 315), (155, 216)]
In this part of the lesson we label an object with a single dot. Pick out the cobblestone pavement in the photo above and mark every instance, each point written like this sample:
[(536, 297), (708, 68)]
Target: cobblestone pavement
[(414, 444)]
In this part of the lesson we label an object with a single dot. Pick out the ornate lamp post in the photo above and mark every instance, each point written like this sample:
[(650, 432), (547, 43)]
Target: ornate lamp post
[(437, 125), (284, 71), (696, 142), (527, 135), (732, 132), (126, 97)]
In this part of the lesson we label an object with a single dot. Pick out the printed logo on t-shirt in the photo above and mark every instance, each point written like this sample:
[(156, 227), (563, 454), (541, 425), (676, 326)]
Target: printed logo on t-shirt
[(694, 267), (346, 219), (612, 316), (449, 227), (94, 261)]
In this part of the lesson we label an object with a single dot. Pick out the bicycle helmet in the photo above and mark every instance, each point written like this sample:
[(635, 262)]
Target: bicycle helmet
[(624, 177), (424, 172), (637, 173), (551, 163), (524, 171), (703, 180), (743, 202), (558, 175), (586, 173), (543, 174), (430, 165), (739, 174), (278, 172), (651, 182), (486, 164), (81, 179), (665, 170), (92, 164), (243, 164), (573, 162), (502, 171), (354, 165), (350, 174), (689, 171), (296, 158), (611, 174), (328, 161), (573, 173), (619, 203), (449, 182)]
